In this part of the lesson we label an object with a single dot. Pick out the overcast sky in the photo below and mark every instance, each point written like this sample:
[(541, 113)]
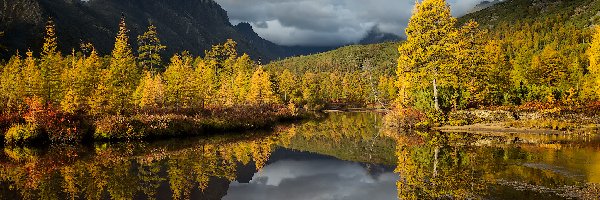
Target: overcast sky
[(326, 22)]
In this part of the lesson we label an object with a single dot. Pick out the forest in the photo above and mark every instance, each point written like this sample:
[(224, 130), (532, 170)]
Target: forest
[(538, 57), (127, 95), (446, 64)]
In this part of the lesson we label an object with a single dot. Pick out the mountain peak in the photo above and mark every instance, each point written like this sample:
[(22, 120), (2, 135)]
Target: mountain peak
[(376, 35)]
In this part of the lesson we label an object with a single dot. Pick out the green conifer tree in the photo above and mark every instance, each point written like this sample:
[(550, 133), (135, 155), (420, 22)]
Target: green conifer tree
[(150, 49), (51, 67)]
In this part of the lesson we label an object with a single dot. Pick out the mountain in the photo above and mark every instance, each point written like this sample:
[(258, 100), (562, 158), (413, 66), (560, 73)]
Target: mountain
[(375, 35), (484, 5), (193, 25)]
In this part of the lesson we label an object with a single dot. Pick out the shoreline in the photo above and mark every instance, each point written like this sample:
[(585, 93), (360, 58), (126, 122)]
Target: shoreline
[(148, 127)]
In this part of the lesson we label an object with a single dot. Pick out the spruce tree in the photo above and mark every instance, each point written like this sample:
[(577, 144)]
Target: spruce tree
[(150, 49), (51, 67)]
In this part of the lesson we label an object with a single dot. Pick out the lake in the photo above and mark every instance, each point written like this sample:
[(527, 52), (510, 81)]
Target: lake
[(341, 156)]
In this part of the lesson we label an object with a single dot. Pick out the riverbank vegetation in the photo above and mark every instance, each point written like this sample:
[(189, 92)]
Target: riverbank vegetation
[(85, 96), (546, 64)]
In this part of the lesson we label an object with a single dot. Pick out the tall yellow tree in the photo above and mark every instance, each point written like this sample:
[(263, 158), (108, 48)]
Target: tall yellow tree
[(594, 56), (179, 88), (425, 52), (205, 81), (12, 85), (243, 70), (287, 85), (150, 92), (79, 82), (32, 77), (123, 73), (261, 89)]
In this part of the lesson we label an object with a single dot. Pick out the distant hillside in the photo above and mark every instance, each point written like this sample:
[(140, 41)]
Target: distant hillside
[(379, 57), (193, 25), (581, 13)]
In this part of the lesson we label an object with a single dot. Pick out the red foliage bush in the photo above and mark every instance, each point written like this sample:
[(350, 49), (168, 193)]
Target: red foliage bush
[(59, 126)]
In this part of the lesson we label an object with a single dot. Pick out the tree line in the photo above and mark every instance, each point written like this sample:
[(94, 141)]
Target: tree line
[(123, 83), (445, 66)]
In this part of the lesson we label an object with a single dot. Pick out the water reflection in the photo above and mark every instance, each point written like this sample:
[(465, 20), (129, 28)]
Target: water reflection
[(344, 156), (315, 179)]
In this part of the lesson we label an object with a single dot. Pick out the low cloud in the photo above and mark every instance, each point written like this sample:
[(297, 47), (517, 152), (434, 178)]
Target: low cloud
[(326, 22)]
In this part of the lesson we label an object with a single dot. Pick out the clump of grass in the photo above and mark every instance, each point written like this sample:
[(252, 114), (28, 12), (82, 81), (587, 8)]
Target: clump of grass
[(22, 134), (552, 124)]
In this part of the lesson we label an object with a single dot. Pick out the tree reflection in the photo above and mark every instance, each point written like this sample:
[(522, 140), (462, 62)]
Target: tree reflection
[(127, 171), (436, 165)]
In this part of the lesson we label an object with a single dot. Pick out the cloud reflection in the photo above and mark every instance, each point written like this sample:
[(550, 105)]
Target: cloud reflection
[(317, 179)]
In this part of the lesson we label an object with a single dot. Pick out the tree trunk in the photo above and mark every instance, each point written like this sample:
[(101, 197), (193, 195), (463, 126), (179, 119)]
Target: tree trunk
[(435, 95), (435, 161)]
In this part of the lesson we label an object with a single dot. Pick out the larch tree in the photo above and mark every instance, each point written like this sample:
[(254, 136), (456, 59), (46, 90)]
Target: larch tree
[(287, 84), (32, 77), (51, 67), (261, 88), (12, 85), (150, 92), (425, 52), (150, 49), (310, 88), (241, 84), (72, 99), (206, 80), (465, 75), (79, 82), (594, 56), (178, 89), (123, 73)]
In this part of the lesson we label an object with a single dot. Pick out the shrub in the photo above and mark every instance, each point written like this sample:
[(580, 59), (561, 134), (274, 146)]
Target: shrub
[(22, 133), (113, 127), (60, 127), (406, 119)]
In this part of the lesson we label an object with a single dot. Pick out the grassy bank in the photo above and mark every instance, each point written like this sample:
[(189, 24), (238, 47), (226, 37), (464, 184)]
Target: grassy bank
[(49, 127), (534, 118)]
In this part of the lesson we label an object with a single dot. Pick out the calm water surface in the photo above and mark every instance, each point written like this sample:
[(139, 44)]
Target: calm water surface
[(343, 156)]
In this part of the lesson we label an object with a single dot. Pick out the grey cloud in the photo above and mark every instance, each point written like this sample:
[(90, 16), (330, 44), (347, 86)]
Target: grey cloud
[(325, 179), (326, 22)]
